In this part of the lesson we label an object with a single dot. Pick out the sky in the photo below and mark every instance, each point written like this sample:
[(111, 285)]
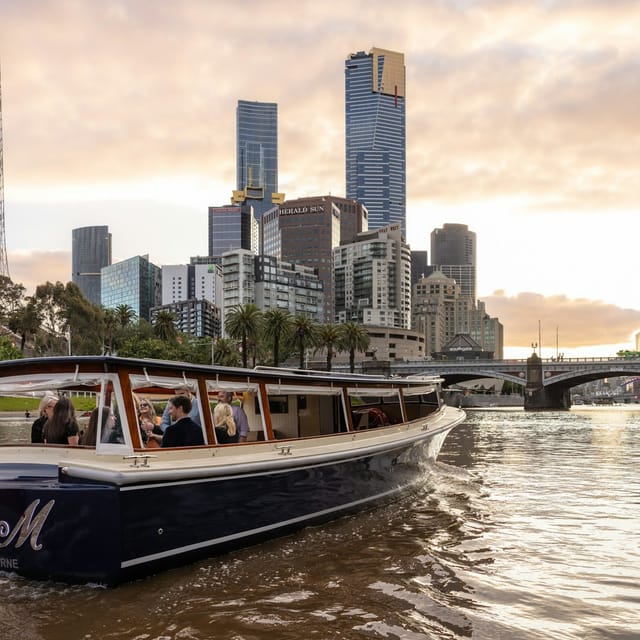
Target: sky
[(523, 122)]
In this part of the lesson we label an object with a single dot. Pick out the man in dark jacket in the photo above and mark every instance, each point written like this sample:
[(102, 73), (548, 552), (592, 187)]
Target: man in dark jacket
[(183, 432)]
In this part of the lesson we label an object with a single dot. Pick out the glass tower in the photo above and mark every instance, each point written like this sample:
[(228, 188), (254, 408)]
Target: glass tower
[(135, 282), (90, 251), (376, 135), (256, 155)]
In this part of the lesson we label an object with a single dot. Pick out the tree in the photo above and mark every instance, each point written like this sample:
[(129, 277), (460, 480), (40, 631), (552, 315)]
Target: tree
[(329, 338), (164, 326), (305, 332), (125, 315), (7, 350), (276, 326), (225, 353), (110, 324), (353, 337), (25, 322), (243, 323), (68, 321), (11, 298)]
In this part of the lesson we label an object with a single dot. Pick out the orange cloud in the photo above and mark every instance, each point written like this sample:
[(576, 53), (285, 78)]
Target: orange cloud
[(579, 323)]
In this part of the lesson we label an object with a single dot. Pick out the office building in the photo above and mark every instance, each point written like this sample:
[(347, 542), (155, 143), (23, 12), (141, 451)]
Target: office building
[(232, 227), (419, 266), (135, 282), (90, 251), (191, 281), (453, 252), (257, 156), (376, 135), (307, 230), (200, 318), (372, 283), (270, 283)]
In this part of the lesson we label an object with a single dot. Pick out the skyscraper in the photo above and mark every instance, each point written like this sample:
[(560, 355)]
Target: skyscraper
[(376, 135), (257, 156), (232, 227), (453, 251), (90, 251)]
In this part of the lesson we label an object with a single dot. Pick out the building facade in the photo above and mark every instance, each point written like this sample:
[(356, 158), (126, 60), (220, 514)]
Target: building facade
[(257, 156), (307, 230), (453, 252), (90, 252), (191, 281), (373, 279), (270, 283), (375, 125), (135, 282), (200, 318), (232, 227)]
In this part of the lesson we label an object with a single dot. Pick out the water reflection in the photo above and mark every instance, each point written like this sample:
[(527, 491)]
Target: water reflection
[(525, 528)]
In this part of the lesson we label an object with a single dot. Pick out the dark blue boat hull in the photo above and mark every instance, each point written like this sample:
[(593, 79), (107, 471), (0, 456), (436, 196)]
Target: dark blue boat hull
[(102, 533)]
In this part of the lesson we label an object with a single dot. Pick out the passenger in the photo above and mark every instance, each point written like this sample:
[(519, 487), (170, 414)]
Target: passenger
[(194, 414), (224, 424), (150, 430), (89, 437), (45, 411), (239, 417), (62, 428), (183, 431)]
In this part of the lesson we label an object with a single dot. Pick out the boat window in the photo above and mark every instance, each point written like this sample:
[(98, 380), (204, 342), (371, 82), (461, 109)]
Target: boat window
[(151, 394), (372, 408)]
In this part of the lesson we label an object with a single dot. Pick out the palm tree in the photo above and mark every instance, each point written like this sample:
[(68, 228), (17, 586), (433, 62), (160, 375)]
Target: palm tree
[(164, 326), (226, 353), (125, 315), (110, 322), (354, 337), (243, 323), (329, 338), (276, 325), (305, 331)]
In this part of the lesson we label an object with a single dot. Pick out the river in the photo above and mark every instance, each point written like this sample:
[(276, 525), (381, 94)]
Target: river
[(527, 527)]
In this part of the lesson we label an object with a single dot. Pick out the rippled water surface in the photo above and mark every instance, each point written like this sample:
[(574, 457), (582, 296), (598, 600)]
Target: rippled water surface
[(527, 527)]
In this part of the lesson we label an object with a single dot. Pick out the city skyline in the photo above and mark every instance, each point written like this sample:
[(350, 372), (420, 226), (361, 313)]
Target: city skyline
[(522, 123)]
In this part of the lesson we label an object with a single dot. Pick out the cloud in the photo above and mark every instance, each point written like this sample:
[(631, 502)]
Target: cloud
[(36, 267), (579, 322)]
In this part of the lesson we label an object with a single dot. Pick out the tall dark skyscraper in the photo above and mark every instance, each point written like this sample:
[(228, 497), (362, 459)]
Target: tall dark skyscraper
[(232, 227), (376, 135), (90, 252), (453, 251), (257, 156)]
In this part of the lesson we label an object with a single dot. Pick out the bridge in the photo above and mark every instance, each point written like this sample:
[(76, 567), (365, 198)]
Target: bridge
[(546, 382)]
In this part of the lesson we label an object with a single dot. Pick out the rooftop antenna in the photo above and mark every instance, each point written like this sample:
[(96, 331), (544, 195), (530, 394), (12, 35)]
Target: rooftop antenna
[(4, 264)]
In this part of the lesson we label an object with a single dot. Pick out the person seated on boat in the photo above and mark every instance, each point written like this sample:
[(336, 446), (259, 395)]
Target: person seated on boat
[(377, 418), (224, 424), (62, 428), (194, 414), (239, 417), (183, 431), (45, 411), (90, 434), (150, 431)]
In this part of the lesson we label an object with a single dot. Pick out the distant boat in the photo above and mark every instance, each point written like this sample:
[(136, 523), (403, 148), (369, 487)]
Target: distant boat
[(320, 445)]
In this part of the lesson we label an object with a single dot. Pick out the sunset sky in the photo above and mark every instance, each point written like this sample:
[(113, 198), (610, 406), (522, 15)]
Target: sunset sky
[(523, 122)]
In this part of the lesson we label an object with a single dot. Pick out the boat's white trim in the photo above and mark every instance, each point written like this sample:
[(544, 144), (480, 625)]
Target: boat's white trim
[(258, 530), (296, 456)]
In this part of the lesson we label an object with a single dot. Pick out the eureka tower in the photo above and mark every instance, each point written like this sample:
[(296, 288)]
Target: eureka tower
[(376, 135)]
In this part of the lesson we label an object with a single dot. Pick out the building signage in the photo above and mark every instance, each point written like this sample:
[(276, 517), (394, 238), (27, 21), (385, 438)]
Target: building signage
[(294, 211)]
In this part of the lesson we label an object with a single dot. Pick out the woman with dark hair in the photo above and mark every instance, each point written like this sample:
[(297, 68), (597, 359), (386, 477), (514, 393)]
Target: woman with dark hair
[(89, 437), (45, 411), (62, 427)]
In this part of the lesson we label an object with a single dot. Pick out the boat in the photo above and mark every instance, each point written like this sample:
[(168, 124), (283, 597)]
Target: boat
[(321, 445)]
